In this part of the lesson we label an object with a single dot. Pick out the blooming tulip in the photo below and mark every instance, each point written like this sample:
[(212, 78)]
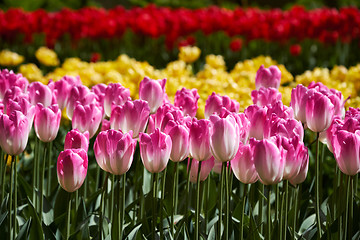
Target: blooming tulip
[(289, 127), (243, 165), (257, 118), (14, 129), (114, 151), (72, 167), (269, 160), (224, 139), (152, 91), (299, 96), (133, 115), (200, 139), (265, 96), (206, 167), (47, 122), (301, 176), (76, 139), (155, 150), (87, 118), (179, 135), (99, 90), (156, 119), (9, 79), (21, 104), (40, 93), (187, 101), (78, 95), (62, 89), (115, 94), (215, 103), (268, 77)]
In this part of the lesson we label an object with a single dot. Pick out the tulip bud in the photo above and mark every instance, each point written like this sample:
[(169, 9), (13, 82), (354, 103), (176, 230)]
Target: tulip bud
[(268, 77), (243, 165), (76, 139), (200, 139), (47, 122), (257, 118), (152, 91), (72, 167), (299, 96), (179, 135), (155, 150)]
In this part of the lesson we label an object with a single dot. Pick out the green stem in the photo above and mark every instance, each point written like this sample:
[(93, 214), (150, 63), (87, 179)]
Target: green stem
[(223, 169), (317, 183), (296, 191), (49, 160), (112, 214), (227, 199), (277, 203), (42, 184), (207, 190), (197, 219), (261, 208), (155, 180), (68, 217), (163, 181), (243, 212), (281, 225), (15, 195), (173, 199), (286, 207), (122, 209), (269, 213), (102, 207), (76, 199), (177, 190), (2, 171), (35, 164), (11, 199), (347, 206), (187, 194), (38, 172), (351, 208), (3, 175)]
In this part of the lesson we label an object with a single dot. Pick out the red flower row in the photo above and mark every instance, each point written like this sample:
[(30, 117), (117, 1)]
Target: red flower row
[(326, 25)]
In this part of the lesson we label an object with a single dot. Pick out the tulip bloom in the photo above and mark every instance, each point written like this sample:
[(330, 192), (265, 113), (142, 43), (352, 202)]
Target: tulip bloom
[(9, 79), (243, 165), (76, 139), (40, 93), (206, 167), (288, 128), (156, 119), (115, 94), (269, 160), (215, 103), (301, 176), (299, 96), (257, 118), (200, 139), (78, 95), (224, 139), (62, 89), (47, 122), (265, 96), (14, 129), (346, 147), (179, 135), (133, 115), (268, 77), (187, 101), (21, 104), (72, 167), (319, 111), (87, 118), (155, 150), (152, 91), (114, 151)]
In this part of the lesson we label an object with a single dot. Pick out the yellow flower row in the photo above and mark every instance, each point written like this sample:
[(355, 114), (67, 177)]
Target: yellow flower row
[(214, 77)]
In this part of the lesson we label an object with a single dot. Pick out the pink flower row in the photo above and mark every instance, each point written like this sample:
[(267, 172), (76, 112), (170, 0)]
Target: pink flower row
[(264, 143)]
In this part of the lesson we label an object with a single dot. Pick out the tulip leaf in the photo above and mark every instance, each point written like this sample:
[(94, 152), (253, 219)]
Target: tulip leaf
[(26, 187), (82, 222), (3, 217), (134, 232), (36, 231), (24, 230)]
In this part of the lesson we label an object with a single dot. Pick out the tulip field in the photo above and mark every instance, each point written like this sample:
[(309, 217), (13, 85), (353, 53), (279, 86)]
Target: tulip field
[(197, 135)]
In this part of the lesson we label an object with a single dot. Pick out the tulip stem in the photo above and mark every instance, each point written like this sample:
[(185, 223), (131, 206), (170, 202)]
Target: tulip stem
[(223, 169), (3, 174), (317, 182), (102, 206), (286, 207), (35, 171), (15, 195), (42, 184), (351, 210), (1, 171), (49, 169), (261, 207), (187, 192), (269, 213), (11, 199), (112, 213), (163, 181), (296, 191), (207, 190), (277, 202), (122, 206), (68, 217), (197, 219), (227, 199), (173, 198), (243, 203), (155, 180)]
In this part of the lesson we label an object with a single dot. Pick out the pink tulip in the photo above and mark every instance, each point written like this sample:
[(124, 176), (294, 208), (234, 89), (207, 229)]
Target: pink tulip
[(152, 91), (99, 90), (299, 96), (87, 118), (280, 110), (319, 111), (346, 146), (115, 94), (133, 115), (215, 103), (9, 79), (14, 93), (156, 119), (200, 139), (206, 167), (72, 167), (105, 125), (269, 160), (76, 139), (23, 105), (224, 138), (265, 96), (61, 89), (257, 118), (187, 101), (301, 176), (243, 165), (155, 150), (173, 118), (179, 135), (114, 151), (40, 93), (288, 128), (47, 122), (268, 77), (14, 132), (79, 94)]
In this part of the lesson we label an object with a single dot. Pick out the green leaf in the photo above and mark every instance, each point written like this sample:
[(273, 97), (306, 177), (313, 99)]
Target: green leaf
[(133, 232), (36, 231), (82, 222), (307, 223), (24, 230)]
